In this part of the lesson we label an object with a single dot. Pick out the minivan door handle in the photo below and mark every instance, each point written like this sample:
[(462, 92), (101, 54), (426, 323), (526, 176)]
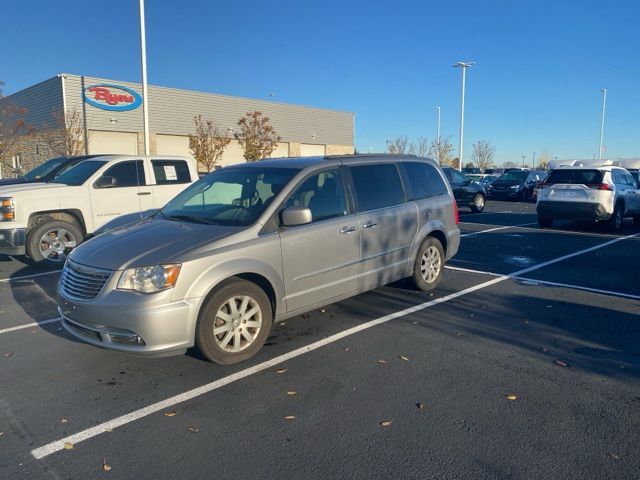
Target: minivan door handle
[(346, 230), (370, 225)]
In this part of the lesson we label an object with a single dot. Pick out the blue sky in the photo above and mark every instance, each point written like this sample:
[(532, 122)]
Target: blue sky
[(535, 88)]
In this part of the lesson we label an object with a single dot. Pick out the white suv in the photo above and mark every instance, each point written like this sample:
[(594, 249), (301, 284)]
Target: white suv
[(602, 194), (46, 221)]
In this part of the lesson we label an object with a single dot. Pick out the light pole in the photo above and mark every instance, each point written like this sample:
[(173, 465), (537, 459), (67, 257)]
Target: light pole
[(604, 105), (438, 134), (143, 55), (533, 160), (523, 157), (463, 66)]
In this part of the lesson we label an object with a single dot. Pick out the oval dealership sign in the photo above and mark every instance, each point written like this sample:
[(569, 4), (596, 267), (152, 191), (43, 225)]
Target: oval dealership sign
[(115, 98)]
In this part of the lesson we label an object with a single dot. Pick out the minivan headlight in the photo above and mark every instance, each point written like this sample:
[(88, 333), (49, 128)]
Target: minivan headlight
[(149, 279)]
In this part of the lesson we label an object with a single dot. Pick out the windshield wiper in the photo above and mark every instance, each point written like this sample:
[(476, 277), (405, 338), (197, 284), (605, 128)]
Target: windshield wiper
[(188, 218)]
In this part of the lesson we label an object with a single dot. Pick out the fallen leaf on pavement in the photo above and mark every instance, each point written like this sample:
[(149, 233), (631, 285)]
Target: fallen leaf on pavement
[(64, 420), (170, 414), (420, 406), (193, 428), (290, 417), (460, 334), (291, 392), (105, 466), (512, 397), (281, 370), (381, 361), (402, 357), (322, 310), (8, 354), (613, 456), (68, 446), (545, 349), (561, 363), (385, 423), (347, 349), (1, 433), (108, 429)]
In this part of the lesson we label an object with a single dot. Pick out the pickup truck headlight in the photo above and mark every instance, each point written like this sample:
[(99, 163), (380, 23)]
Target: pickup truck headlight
[(149, 279), (7, 209)]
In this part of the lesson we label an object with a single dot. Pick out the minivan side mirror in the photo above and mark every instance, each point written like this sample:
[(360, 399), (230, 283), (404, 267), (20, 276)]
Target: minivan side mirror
[(106, 182), (293, 216)]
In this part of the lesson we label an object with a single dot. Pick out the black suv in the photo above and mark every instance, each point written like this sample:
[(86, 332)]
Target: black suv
[(515, 185), (467, 192), (46, 172)]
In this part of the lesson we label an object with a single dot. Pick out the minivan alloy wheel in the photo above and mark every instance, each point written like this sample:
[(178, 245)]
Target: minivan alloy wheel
[(55, 244), (430, 264), (237, 323)]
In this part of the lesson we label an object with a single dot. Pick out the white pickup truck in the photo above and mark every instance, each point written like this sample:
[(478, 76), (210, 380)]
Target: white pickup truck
[(46, 221)]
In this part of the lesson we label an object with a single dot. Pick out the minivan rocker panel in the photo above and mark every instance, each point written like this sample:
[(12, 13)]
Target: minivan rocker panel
[(239, 268)]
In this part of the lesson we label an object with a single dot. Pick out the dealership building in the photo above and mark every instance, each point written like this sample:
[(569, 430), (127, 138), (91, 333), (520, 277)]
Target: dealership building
[(112, 120)]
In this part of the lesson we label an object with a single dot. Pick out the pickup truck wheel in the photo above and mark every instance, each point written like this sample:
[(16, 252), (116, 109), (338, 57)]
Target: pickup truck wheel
[(478, 203), (234, 322), (429, 265), (50, 242)]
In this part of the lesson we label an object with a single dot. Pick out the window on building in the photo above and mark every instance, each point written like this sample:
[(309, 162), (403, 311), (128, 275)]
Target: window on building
[(127, 174), (168, 172), (424, 181), (323, 194), (377, 186)]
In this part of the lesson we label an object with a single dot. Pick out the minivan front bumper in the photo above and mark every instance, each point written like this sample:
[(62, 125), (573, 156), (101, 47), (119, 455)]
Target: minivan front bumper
[(148, 325), (12, 241)]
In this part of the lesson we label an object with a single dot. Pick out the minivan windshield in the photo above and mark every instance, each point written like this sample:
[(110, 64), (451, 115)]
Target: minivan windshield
[(43, 170), (229, 196), (80, 173)]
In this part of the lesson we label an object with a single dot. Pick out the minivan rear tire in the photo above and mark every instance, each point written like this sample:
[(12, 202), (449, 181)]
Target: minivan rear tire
[(219, 304), (428, 265)]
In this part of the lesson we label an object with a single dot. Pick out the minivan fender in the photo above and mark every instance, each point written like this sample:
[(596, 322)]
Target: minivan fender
[(432, 228)]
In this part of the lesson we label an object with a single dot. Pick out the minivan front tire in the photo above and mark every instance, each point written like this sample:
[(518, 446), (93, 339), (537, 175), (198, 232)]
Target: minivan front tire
[(234, 322), (428, 265)]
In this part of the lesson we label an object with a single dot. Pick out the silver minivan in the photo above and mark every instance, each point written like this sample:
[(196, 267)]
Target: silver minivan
[(256, 243)]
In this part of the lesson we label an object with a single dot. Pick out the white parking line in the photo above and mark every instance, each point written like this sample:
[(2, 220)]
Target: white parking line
[(29, 325), (94, 431), (496, 229), (546, 282), (25, 277)]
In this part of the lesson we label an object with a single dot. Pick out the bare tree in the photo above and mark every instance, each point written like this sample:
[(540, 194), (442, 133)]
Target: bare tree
[(13, 130), (398, 145), (421, 147), (509, 164), (65, 136), (442, 151), (257, 137), (482, 154), (207, 145)]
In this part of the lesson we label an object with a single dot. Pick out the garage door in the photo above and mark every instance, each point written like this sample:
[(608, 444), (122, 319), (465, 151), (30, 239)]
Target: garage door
[(113, 142), (172, 145), (309, 150)]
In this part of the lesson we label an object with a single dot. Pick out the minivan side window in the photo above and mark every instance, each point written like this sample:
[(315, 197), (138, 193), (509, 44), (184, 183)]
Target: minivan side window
[(424, 180), (169, 172), (377, 186), (323, 194), (127, 174)]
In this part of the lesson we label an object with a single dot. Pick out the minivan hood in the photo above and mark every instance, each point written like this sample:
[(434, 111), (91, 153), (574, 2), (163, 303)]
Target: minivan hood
[(149, 242)]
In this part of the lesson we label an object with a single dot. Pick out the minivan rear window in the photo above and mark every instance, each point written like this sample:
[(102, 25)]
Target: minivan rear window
[(377, 186), (577, 177)]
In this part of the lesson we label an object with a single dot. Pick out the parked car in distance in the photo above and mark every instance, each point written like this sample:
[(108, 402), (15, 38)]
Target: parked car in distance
[(482, 179), (634, 173), (602, 194), (47, 220), (471, 170), (46, 172), (494, 171), (255, 243), (467, 192), (515, 185)]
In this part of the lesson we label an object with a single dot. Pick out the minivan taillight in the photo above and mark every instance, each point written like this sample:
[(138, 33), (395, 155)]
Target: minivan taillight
[(604, 186), (456, 213)]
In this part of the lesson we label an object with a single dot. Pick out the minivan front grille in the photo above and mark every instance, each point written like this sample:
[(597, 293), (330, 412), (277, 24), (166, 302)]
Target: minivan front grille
[(82, 283)]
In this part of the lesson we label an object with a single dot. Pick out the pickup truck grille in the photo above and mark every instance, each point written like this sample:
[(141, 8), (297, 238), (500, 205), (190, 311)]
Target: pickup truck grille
[(82, 283)]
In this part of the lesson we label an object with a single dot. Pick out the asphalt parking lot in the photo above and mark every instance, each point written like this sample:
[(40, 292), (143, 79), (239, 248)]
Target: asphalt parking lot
[(524, 364)]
